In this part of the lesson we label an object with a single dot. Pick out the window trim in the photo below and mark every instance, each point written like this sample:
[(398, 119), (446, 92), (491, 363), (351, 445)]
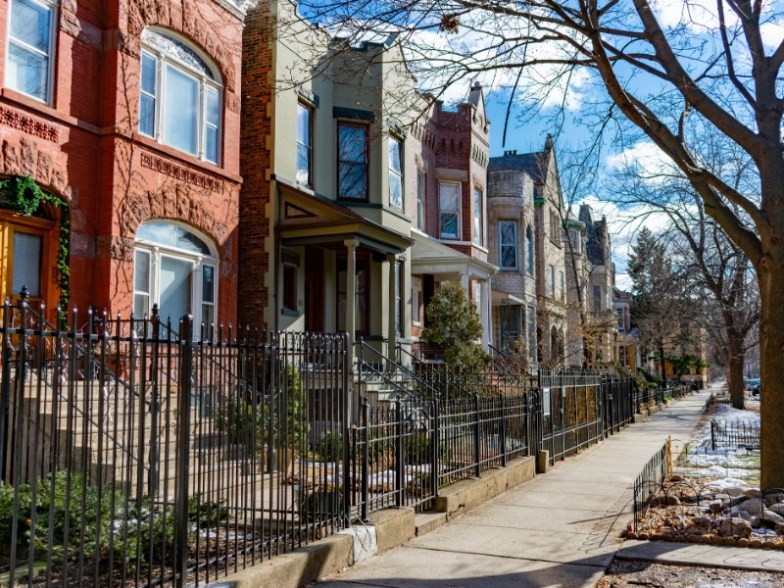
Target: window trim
[(530, 261), (162, 61), (391, 172), (458, 212), (301, 104), (421, 200), (417, 301), (199, 260), (478, 214), (366, 131), (501, 245), (52, 6)]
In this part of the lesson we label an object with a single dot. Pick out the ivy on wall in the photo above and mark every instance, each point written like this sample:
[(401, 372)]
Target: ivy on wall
[(22, 195)]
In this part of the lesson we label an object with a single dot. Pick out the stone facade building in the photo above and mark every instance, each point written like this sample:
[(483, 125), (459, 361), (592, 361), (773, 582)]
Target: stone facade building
[(126, 114), (548, 245)]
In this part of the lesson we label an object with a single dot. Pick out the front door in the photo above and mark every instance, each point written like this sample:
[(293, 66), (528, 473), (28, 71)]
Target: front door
[(314, 290)]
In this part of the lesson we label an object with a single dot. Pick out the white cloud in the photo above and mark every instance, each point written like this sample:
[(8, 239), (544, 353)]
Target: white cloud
[(696, 15), (772, 34)]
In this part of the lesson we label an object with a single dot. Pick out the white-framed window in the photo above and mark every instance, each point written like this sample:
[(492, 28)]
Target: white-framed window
[(449, 209), (30, 51), (479, 217), (304, 144), (176, 269), (180, 100), (396, 173), (421, 194), (507, 244), (529, 250)]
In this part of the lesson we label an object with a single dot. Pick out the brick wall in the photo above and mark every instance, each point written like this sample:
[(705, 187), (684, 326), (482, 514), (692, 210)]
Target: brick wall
[(255, 162), (85, 147)]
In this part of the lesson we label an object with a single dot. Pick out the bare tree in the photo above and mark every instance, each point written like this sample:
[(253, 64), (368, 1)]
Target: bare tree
[(714, 60)]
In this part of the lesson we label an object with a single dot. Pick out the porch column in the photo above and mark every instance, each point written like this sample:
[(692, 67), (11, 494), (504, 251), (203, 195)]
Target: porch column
[(464, 284), (487, 317), (351, 297), (392, 309)]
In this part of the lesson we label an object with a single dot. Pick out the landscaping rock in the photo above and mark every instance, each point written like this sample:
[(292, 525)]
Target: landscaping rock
[(778, 508), (774, 498), (735, 526), (753, 506), (753, 493)]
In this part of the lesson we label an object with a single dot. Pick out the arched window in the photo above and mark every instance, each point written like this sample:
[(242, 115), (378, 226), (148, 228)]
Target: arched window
[(180, 99), (176, 269)]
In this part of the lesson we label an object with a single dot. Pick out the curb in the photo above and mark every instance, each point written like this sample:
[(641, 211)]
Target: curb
[(385, 530)]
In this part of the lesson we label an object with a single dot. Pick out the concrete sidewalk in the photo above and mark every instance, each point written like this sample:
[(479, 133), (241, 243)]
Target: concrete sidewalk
[(560, 529)]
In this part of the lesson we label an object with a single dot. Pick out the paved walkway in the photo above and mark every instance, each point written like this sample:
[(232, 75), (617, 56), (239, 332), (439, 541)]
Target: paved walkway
[(559, 530)]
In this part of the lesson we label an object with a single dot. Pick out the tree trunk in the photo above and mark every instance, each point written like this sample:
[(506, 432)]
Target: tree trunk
[(772, 374), (737, 355), (662, 365)]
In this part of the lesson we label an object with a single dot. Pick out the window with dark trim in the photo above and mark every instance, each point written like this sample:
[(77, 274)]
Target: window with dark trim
[(507, 244), (304, 144), (352, 161)]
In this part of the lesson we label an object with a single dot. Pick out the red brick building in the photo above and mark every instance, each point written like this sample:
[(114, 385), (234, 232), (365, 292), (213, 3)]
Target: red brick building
[(126, 114)]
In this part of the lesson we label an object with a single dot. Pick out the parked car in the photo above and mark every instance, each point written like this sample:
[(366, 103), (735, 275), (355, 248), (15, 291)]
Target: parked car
[(753, 385)]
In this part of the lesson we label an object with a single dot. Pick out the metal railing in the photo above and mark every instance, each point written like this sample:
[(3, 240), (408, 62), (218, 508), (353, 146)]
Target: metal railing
[(735, 434), (145, 454), (150, 460), (648, 483)]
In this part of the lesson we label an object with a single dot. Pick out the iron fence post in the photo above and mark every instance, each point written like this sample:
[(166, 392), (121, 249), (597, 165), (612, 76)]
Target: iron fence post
[(503, 432), (5, 390), (348, 420), (434, 448), (365, 458), (477, 440), (399, 465), (183, 450)]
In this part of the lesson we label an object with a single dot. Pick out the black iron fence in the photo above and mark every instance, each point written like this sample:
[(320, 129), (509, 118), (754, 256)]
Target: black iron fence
[(735, 434), (141, 453), (649, 482)]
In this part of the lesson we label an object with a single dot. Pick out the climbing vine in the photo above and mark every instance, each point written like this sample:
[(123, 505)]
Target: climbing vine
[(21, 194)]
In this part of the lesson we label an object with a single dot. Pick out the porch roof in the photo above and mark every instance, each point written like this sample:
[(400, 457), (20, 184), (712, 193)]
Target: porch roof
[(309, 219), (428, 256)]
